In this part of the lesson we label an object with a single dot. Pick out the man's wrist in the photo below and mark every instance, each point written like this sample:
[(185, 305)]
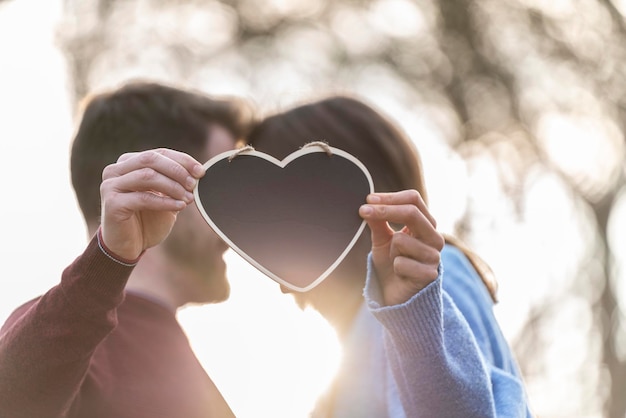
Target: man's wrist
[(120, 260)]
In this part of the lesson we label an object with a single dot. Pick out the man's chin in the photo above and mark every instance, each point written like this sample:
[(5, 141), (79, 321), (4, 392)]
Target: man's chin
[(213, 289), (218, 291)]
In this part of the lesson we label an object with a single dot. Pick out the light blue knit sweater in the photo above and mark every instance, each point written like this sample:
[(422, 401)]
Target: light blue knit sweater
[(440, 354)]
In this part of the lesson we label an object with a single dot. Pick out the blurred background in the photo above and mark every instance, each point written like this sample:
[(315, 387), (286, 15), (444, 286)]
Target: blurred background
[(518, 108)]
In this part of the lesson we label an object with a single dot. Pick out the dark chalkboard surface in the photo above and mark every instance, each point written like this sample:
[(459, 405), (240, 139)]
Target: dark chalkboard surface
[(294, 220)]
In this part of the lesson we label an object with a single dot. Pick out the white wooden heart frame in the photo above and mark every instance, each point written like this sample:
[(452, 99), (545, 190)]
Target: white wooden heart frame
[(308, 149)]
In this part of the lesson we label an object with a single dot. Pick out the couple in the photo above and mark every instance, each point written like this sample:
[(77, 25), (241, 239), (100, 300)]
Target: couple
[(414, 317)]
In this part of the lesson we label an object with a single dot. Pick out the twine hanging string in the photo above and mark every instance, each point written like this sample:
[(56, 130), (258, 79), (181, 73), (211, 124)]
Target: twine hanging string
[(240, 151), (322, 144)]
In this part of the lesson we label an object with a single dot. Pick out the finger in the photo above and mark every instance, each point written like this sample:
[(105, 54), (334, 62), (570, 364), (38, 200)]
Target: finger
[(143, 201), (403, 197), (187, 161), (169, 160), (146, 180), (174, 164), (406, 246), (414, 271), (380, 230), (409, 215)]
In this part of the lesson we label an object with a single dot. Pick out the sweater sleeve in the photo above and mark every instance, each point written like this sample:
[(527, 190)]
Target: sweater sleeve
[(445, 349), (46, 345)]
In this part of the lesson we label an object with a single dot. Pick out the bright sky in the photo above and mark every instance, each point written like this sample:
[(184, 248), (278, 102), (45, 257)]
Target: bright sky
[(35, 128)]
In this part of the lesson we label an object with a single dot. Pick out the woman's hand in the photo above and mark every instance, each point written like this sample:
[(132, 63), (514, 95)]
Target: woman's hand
[(406, 261)]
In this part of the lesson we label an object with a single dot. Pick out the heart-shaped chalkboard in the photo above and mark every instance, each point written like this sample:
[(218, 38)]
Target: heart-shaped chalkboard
[(296, 219)]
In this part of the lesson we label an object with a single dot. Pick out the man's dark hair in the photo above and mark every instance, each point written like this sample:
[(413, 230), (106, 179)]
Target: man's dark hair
[(140, 116)]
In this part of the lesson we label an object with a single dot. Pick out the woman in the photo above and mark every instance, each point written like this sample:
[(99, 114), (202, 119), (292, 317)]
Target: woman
[(414, 317)]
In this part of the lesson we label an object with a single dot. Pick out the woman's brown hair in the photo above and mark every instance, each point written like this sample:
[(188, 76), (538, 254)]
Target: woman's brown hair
[(350, 125)]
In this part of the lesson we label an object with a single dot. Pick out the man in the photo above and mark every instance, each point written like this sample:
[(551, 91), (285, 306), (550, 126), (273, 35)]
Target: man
[(104, 342)]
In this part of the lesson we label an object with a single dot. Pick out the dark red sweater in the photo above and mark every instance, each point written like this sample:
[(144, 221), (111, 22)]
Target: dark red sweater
[(83, 350)]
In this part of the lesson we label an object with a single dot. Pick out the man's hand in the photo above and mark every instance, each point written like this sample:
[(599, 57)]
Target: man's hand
[(406, 261), (141, 195)]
